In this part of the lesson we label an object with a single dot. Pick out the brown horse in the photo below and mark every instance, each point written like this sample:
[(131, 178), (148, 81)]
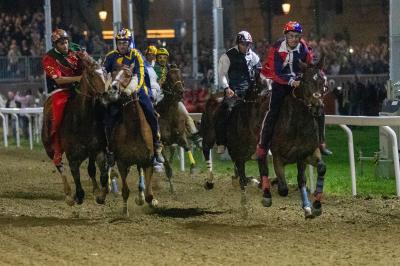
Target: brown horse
[(131, 142), (296, 139), (244, 124), (172, 121), (80, 133)]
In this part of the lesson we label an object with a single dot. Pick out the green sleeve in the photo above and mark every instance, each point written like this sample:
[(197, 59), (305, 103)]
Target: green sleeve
[(75, 47)]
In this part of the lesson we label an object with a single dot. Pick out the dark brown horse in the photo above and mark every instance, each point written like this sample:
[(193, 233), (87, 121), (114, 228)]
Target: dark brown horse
[(296, 139), (132, 143), (80, 133), (172, 121), (244, 124)]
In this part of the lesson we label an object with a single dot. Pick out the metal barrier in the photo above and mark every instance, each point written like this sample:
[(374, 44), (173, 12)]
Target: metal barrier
[(30, 113)]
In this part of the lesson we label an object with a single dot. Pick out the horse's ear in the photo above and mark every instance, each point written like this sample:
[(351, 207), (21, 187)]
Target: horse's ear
[(303, 66), (321, 62)]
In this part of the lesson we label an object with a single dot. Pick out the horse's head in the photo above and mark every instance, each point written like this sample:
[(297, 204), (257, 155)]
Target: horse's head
[(96, 81), (312, 85), (173, 86), (122, 80)]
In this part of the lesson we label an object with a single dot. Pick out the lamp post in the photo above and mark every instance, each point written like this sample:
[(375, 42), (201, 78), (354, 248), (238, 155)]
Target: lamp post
[(195, 64)]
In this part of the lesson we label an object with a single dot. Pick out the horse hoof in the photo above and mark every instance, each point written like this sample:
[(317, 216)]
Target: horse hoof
[(209, 185), (283, 192), (69, 200), (100, 200), (317, 208), (139, 201), (153, 203), (308, 213), (266, 202), (255, 183), (194, 170), (125, 211)]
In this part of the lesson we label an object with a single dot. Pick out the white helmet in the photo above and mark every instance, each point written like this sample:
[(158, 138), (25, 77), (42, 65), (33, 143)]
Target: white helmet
[(244, 36)]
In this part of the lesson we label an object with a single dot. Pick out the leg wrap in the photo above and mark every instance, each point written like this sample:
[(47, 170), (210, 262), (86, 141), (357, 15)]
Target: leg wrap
[(191, 159)]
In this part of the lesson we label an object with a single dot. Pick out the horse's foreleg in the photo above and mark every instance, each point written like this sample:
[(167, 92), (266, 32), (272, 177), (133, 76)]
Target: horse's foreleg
[(265, 182), (123, 171), (92, 174), (67, 188), (79, 192), (141, 187), (301, 182), (279, 167), (210, 177), (101, 163), (148, 175), (321, 170), (240, 166), (168, 171)]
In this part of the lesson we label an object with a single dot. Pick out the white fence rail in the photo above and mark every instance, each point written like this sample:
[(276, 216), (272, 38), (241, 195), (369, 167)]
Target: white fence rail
[(34, 116), (343, 121)]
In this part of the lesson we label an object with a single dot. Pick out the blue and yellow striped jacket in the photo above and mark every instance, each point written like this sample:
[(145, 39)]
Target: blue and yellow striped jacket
[(115, 58)]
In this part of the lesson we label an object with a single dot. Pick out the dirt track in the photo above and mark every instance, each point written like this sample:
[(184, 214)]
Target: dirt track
[(197, 227)]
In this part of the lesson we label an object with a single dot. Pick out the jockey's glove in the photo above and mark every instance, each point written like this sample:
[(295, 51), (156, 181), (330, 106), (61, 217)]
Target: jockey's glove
[(132, 86)]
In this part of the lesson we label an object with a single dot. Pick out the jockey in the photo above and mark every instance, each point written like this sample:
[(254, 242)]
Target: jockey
[(237, 70), (126, 55), (63, 70), (161, 67), (283, 67), (150, 55)]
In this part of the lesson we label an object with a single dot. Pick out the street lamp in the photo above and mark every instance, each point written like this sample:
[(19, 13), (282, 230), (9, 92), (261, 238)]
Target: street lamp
[(103, 15), (286, 8)]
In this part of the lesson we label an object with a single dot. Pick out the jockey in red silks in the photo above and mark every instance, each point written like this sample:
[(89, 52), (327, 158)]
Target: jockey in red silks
[(63, 70), (282, 66)]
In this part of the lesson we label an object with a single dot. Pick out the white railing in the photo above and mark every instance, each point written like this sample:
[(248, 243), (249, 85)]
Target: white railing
[(30, 113), (343, 121)]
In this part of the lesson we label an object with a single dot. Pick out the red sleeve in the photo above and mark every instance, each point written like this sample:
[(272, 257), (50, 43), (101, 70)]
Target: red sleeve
[(269, 68), (50, 67), (310, 54)]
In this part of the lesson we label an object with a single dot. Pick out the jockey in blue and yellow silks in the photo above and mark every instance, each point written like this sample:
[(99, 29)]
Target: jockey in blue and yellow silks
[(125, 55)]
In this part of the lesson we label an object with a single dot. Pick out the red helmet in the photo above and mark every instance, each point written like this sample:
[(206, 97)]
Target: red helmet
[(292, 26), (58, 34)]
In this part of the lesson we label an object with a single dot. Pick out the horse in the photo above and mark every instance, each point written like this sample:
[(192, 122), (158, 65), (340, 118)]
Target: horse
[(172, 121), (80, 133), (132, 143), (296, 139)]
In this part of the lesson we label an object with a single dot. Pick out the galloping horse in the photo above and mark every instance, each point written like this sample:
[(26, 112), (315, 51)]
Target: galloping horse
[(244, 124), (172, 121), (131, 142), (296, 139), (80, 133)]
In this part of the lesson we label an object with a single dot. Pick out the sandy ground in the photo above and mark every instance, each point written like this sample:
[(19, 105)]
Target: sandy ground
[(195, 227)]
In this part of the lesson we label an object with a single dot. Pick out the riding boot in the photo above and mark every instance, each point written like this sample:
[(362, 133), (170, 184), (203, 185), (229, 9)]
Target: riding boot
[(321, 132), (158, 158), (194, 133)]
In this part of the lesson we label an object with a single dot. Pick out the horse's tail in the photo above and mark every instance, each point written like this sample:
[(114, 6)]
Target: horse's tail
[(208, 121), (46, 127)]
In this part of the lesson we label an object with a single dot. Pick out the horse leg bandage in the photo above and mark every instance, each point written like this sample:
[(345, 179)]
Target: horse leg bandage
[(191, 159)]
